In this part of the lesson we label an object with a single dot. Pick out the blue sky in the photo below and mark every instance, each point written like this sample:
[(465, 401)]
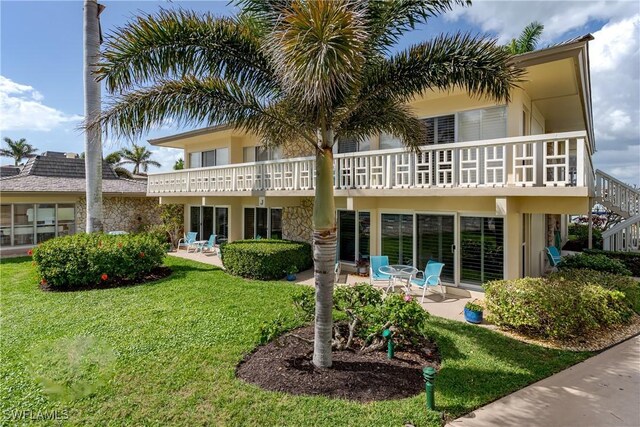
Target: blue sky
[(41, 93)]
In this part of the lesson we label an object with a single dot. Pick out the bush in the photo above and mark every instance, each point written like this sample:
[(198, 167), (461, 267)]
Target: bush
[(265, 259), (88, 259), (594, 262), (364, 312), (553, 307), (625, 284), (631, 260)]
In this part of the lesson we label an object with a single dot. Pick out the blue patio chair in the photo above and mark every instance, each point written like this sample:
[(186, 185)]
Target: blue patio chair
[(187, 240), (431, 277), (553, 256), (375, 262), (210, 245)]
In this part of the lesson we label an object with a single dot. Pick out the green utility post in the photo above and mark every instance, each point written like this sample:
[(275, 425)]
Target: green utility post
[(429, 374), (388, 335)]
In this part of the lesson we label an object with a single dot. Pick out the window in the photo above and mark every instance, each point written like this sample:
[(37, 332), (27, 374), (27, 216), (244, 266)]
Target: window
[(207, 220), (66, 219), (276, 223), (388, 141), (5, 225), (217, 157), (261, 154), (482, 245), (353, 235), (397, 238), (440, 130), (264, 223), (46, 222), (485, 123), (352, 145), (222, 222), (23, 219), (434, 241)]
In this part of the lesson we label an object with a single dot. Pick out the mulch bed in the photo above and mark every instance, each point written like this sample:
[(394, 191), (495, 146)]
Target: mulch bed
[(598, 341), (285, 365), (155, 274)]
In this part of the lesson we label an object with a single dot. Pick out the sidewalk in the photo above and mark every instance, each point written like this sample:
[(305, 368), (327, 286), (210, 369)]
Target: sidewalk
[(603, 391)]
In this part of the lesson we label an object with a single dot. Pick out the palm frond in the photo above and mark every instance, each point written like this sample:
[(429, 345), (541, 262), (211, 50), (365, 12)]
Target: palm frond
[(389, 20), (317, 49), (194, 102), (177, 43), (474, 64), (529, 37)]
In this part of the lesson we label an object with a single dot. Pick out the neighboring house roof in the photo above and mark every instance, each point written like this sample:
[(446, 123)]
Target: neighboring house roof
[(6, 171), (63, 175)]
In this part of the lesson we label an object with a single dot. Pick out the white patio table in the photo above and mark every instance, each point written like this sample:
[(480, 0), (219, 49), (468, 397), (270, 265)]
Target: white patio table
[(399, 272)]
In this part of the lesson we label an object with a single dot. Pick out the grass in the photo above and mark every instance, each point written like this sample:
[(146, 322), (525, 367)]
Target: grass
[(164, 353)]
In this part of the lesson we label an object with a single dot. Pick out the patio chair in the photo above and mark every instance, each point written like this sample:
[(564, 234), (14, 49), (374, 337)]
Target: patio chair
[(431, 277), (187, 240), (375, 262), (210, 245), (553, 256)]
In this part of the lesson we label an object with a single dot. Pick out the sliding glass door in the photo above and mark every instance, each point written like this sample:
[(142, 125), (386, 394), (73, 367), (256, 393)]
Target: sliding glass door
[(482, 246), (203, 221), (397, 238), (435, 240)]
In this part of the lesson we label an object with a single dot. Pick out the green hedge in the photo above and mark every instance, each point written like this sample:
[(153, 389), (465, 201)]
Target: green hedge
[(631, 260), (625, 284), (88, 259), (594, 262), (579, 238), (265, 259), (554, 307)]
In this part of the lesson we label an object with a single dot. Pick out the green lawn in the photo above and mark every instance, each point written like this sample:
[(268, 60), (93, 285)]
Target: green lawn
[(164, 354)]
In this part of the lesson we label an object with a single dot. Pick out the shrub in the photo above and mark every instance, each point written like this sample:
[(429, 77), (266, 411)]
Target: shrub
[(553, 307), (631, 260), (625, 284), (366, 313), (594, 262), (265, 259), (88, 259)]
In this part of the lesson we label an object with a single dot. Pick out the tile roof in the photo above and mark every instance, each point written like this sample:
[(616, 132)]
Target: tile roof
[(36, 176), (9, 171)]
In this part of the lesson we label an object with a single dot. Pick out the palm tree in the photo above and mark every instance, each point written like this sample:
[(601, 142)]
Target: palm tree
[(92, 101), (528, 40), (138, 156), (113, 158), (18, 150), (178, 165), (312, 71)]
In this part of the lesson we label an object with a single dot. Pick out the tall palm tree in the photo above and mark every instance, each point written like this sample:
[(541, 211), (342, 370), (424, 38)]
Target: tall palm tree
[(18, 150), (92, 101), (312, 71), (528, 39), (138, 156)]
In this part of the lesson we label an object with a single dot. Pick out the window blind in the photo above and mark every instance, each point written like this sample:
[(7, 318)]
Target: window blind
[(486, 123)]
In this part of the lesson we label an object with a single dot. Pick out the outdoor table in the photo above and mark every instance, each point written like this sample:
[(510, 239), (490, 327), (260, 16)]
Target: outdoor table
[(402, 272), (199, 245)]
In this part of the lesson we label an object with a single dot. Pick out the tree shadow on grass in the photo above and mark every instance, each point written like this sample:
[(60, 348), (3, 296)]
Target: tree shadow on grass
[(15, 260)]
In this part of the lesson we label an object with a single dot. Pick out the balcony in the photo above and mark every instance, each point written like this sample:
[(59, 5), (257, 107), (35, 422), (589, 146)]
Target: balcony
[(507, 166)]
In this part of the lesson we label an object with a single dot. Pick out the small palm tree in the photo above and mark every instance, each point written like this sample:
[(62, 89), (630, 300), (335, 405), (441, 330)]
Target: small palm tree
[(528, 40), (178, 165), (113, 158), (18, 150), (296, 70), (139, 157)]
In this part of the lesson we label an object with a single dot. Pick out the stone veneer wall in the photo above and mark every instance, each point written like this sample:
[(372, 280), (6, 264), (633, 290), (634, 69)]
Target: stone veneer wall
[(296, 221), (122, 213)]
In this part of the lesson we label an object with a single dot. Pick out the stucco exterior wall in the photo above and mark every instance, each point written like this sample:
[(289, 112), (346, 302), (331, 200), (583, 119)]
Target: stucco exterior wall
[(122, 213)]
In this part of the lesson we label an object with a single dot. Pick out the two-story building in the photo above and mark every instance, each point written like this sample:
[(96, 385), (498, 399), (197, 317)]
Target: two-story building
[(490, 188)]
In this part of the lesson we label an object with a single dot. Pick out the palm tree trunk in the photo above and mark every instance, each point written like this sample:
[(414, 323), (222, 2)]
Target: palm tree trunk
[(324, 254), (93, 141)]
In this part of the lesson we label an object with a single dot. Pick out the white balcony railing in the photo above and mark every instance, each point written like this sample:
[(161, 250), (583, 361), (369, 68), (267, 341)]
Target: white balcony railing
[(551, 160)]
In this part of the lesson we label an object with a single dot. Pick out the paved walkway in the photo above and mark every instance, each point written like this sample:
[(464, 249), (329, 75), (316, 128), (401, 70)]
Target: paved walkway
[(603, 391)]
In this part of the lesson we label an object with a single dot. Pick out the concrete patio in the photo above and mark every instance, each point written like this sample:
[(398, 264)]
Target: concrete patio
[(450, 308)]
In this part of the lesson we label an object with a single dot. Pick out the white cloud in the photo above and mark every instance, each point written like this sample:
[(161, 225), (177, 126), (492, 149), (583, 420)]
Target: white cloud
[(21, 108), (166, 156)]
